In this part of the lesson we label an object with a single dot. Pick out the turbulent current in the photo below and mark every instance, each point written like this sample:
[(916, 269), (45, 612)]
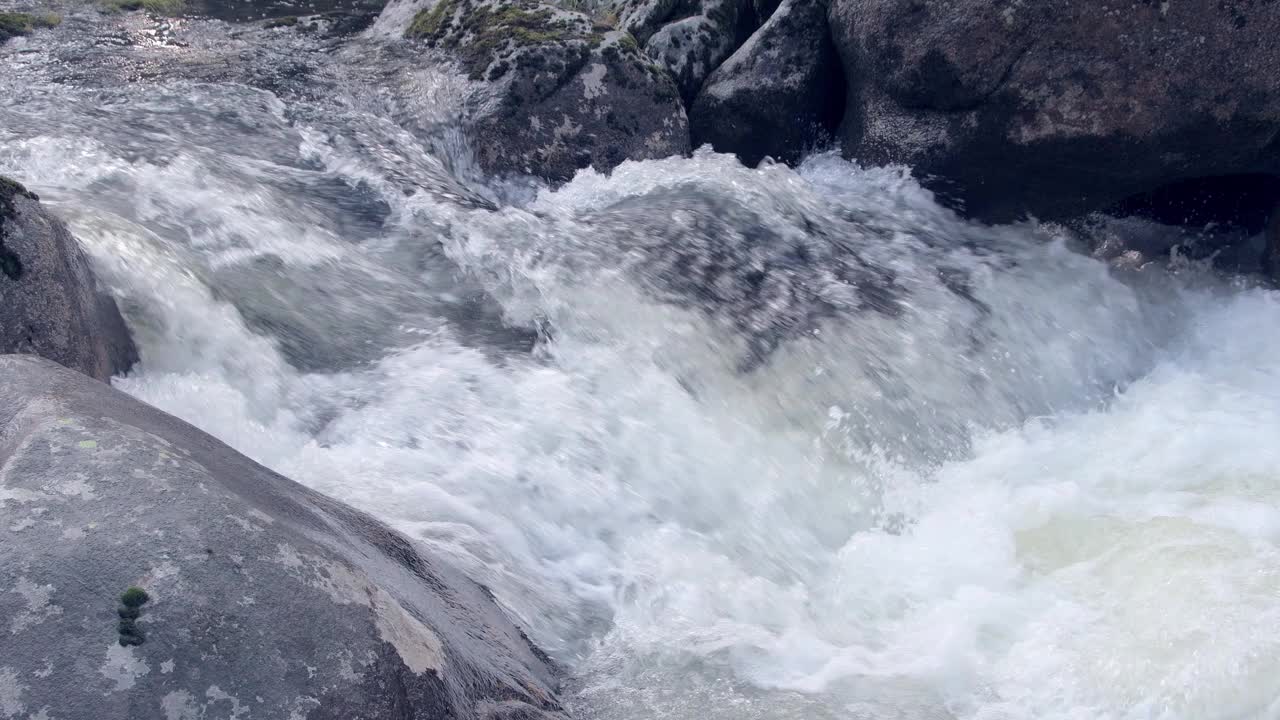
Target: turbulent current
[(730, 443)]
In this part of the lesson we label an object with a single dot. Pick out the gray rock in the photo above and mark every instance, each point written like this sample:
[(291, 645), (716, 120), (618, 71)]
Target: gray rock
[(1271, 254), (562, 93), (267, 600), (691, 47), (1060, 108), (781, 94), (642, 18), (766, 283), (49, 302), (764, 10)]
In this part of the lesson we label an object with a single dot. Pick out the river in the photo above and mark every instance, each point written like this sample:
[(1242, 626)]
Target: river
[(730, 443)]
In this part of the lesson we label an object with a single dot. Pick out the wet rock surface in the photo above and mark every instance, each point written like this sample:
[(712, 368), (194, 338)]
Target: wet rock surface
[(698, 38), (769, 285), (780, 95), (556, 92), (1056, 109), (262, 598), (50, 304)]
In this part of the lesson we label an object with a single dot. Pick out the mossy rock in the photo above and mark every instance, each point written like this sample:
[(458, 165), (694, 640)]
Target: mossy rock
[(424, 640), (14, 24), (156, 7), (10, 189), (10, 263), (481, 34)]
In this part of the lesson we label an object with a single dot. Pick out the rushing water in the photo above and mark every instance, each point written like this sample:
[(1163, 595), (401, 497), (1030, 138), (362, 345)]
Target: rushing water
[(730, 443)]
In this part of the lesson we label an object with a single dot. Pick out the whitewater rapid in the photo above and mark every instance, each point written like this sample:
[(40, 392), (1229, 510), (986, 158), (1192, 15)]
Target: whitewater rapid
[(1000, 480)]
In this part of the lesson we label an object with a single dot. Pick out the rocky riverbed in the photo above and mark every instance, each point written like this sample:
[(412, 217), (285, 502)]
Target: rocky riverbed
[(624, 359)]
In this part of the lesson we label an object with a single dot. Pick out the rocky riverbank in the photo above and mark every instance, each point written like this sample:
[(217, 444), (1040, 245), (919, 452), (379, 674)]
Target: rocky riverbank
[(1007, 110), (243, 592)]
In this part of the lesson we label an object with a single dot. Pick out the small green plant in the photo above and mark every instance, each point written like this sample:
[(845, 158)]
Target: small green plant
[(25, 23), (131, 602), (134, 597)]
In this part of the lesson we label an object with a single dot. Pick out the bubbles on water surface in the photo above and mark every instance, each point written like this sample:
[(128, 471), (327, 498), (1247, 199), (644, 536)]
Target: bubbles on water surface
[(789, 443)]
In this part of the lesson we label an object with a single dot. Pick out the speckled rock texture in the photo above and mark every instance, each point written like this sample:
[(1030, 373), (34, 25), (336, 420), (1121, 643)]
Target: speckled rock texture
[(641, 18), (1060, 107), (558, 92), (50, 304), (266, 600), (697, 37), (689, 38), (780, 95)]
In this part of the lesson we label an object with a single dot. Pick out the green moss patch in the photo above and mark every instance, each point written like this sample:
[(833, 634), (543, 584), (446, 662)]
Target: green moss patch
[(156, 7), (481, 34), (430, 24), (14, 24), (131, 602), (134, 597), (9, 188)]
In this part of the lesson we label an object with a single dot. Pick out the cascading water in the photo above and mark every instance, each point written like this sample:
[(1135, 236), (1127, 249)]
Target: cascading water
[(730, 443)]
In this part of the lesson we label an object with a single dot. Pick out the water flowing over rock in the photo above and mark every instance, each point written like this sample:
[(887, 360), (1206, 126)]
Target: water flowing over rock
[(727, 442), (727, 259), (780, 94), (1057, 109), (49, 301), (263, 598), (560, 93)]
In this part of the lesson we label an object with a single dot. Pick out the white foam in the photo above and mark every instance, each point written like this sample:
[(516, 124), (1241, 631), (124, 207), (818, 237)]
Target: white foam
[(1099, 541)]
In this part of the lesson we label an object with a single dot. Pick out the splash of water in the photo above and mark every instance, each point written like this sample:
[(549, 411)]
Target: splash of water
[(731, 443)]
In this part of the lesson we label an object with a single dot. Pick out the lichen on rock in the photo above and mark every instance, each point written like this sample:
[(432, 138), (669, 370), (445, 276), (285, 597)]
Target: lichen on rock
[(556, 90), (347, 607), (482, 34)]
